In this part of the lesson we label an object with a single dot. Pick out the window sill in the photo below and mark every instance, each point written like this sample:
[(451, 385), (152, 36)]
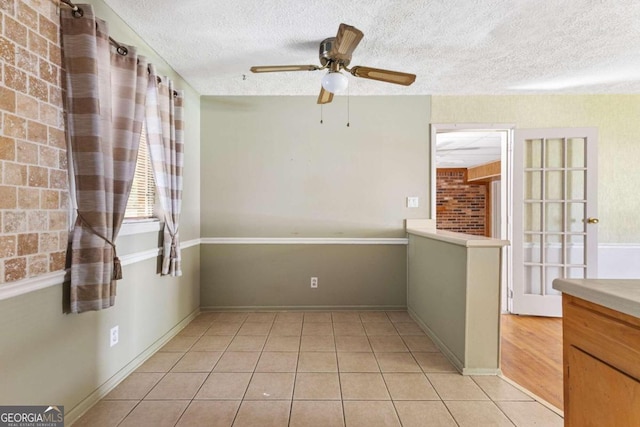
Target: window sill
[(139, 226)]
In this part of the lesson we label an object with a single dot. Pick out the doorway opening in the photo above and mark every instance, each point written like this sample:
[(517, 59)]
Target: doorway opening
[(471, 184), (547, 210), (472, 180)]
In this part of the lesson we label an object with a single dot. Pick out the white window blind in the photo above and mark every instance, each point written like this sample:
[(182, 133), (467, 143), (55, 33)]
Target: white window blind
[(143, 190)]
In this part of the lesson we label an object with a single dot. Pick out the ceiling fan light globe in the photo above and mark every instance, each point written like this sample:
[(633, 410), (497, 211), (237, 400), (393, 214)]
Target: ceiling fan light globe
[(335, 81)]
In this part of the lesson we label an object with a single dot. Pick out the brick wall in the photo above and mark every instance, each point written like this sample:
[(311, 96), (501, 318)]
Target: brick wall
[(33, 159), (460, 207)]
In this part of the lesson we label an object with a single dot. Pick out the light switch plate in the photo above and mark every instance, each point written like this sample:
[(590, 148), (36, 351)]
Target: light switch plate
[(413, 202)]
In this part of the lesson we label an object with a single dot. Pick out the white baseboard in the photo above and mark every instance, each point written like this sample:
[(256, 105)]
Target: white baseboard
[(474, 371), (303, 241), (306, 308), (457, 363), (81, 408)]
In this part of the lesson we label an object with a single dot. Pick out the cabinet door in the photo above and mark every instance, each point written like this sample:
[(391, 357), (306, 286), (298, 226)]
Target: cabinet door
[(600, 395)]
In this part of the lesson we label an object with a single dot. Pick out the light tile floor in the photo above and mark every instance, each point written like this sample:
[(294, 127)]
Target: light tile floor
[(309, 369)]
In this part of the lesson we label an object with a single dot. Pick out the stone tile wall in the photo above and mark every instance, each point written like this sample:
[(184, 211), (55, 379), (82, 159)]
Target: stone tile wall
[(33, 160)]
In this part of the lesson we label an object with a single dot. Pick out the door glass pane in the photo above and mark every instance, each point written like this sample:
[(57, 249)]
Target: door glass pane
[(532, 280), (533, 185), (575, 238), (533, 248), (575, 217), (575, 153), (554, 149), (553, 197), (575, 185), (553, 249), (553, 217), (533, 153), (554, 184), (576, 273), (552, 273), (533, 216), (575, 250), (555, 239)]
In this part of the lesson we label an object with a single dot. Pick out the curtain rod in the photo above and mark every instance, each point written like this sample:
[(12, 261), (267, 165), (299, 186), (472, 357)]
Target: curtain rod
[(78, 12)]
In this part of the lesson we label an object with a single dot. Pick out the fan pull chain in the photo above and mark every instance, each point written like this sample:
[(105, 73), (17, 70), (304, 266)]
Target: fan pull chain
[(348, 97), (321, 121)]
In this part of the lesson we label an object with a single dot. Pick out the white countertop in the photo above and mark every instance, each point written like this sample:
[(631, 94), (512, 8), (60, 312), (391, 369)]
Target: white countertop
[(622, 295), (427, 228)]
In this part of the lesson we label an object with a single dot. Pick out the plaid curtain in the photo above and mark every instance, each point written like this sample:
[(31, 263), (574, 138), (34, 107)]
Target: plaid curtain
[(165, 136), (105, 95)]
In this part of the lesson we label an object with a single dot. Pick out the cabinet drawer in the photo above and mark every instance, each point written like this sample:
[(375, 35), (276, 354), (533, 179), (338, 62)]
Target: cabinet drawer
[(601, 396), (605, 334)]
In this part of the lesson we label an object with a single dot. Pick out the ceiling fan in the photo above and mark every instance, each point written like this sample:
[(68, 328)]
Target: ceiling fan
[(335, 54)]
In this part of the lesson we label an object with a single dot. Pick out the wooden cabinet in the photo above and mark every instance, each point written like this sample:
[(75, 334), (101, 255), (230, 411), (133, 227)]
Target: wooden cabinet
[(601, 365)]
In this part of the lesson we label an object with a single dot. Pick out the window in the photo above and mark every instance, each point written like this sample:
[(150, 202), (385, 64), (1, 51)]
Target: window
[(143, 190)]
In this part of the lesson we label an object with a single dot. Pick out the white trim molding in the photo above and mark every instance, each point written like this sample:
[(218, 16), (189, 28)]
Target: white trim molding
[(24, 286), (131, 226), (140, 256), (302, 241), (19, 287), (190, 243)]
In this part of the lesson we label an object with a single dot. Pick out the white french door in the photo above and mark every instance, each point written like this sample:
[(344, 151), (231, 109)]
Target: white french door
[(554, 214)]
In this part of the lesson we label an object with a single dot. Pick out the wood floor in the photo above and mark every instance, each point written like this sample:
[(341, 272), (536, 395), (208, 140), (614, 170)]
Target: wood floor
[(532, 355)]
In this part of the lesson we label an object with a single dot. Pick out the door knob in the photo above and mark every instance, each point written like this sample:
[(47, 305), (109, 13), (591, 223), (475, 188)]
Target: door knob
[(592, 220)]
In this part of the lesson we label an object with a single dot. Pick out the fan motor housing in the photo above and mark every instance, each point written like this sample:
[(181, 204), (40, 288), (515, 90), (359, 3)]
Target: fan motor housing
[(325, 52)]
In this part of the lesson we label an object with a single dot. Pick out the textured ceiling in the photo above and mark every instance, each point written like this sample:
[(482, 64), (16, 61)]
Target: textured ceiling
[(453, 46), (464, 149)]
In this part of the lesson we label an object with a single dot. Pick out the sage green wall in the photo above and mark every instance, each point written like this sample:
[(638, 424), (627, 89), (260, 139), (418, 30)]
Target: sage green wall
[(615, 116), (436, 291), (278, 276), (50, 357), (483, 310), (454, 293), (271, 169)]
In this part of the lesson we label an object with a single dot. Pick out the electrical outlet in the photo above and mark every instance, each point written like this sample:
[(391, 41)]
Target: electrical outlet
[(413, 202), (113, 336), (314, 282)]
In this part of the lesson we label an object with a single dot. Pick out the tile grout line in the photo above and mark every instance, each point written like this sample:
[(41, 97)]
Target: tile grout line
[(395, 410), (235, 416), (208, 375), (220, 358), (200, 335), (295, 373), (335, 344), (156, 384), (196, 392), (128, 413)]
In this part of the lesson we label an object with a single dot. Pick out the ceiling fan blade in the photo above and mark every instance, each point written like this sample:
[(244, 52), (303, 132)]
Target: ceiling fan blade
[(325, 96), (396, 77), (276, 68), (347, 40)]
